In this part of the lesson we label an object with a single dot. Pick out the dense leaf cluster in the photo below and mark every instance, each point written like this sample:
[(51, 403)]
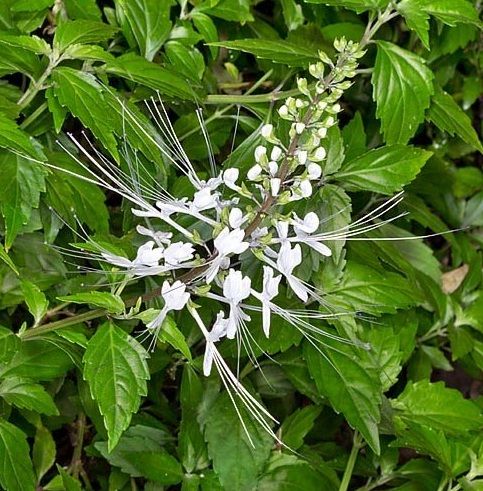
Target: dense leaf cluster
[(83, 405)]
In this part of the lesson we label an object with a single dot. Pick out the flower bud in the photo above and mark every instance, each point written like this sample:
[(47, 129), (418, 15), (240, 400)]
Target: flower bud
[(275, 186), (254, 172), (314, 171), (273, 167), (319, 154), (302, 86), (267, 131), (302, 157), (299, 128), (305, 188), (283, 111), (322, 132), (260, 154), (276, 153)]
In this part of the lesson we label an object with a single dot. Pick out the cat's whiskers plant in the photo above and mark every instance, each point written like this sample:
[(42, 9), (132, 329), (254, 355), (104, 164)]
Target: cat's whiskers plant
[(241, 216)]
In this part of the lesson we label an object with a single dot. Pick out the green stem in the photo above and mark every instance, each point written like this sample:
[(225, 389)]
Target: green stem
[(27, 121), (349, 468), (249, 99)]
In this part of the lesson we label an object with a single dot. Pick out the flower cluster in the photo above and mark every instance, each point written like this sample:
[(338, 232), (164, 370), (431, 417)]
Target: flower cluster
[(231, 217)]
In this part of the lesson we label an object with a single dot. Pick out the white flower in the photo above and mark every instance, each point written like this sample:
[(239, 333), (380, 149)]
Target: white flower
[(276, 153), (305, 188), (288, 259), (267, 131), (159, 237), (147, 255), (260, 154), (319, 154), (227, 242), (282, 230), (178, 252), (236, 218), (270, 291), (175, 297), (306, 226), (216, 333), (275, 186), (314, 171), (235, 289), (204, 200), (254, 172), (230, 177)]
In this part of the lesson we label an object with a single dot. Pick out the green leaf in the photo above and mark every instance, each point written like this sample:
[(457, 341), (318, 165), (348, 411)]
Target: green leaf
[(402, 89), (59, 113), (37, 360), (343, 374), (140, 454), (435, 406), (372, 291), (137, 69), (13, 138), (358, 5), (24, 393), (452, 12), (116, 371), (16, 472), (82, 9), (186, 61), (146, 20), (278, 51), (295, 428), (383, 170), (236, 461), (416, 18), (69, 483), (335, 151), (43, 452), (104, 300), (445, 113), (15, 59), (7, 260), (35, 300), (234, 10), (172, 335), (289, 473), (207, 28), (30, 43), (354, 136), (21, 182), (9, 343), (292, 13), (82, 95), (81, 32)]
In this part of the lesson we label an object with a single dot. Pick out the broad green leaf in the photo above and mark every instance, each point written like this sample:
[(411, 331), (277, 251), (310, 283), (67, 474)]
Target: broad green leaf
[(37, 360), (104, 300), (172, 335), (31, 5), (69, 483), (140, 70), (236, 460), (296, 426), (343, 374), (21, 182), (24, 393), (290, 473), (88, 52), (292, 13), (448, 116), (233, 10), (15, 59), (81, 32), (116, 371), (187, 62), (13, 138), (9, 343), (278, 51), (35, 300), (82, 95), (335, 151), (402, 89), (148, 21), (59, 112), (416, 18), (16, 472), (43, 452), (383, 170), (358, 5), (30, 43), (372, 291), (140, 453), (436, 406)]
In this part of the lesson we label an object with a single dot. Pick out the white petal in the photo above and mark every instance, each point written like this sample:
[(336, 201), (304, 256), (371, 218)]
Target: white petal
[(254, 172)]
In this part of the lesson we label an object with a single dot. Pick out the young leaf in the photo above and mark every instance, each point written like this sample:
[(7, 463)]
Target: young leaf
[(21, 182), (236, 461), (435, 406), (13, 138), (7, 260), (172, 335), (278, 51), (116, 370), (234, 10), (354, 136), (24, 393), (16, 471), (445, 113), (35, 300), (402, 89), (297, 425), (207, 28), (69, 482), (383, 170), (104, 300), (140, 70), (82, 95), (416, 19), (358, 5), (146, 20), (343, 375), (292, 13), (9, 343)]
